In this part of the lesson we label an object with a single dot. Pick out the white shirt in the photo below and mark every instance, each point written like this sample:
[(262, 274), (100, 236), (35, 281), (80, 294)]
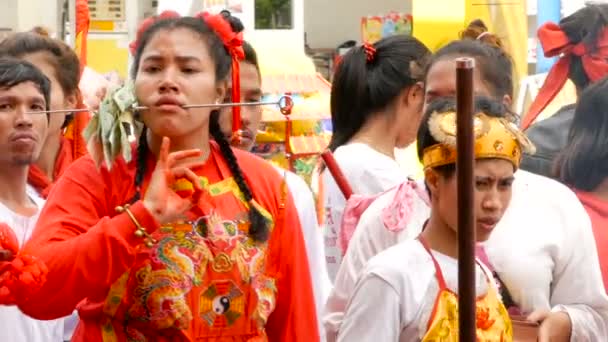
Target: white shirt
[(543, 249), (368, 172), (398, 288), (313, 239), (14, 325)]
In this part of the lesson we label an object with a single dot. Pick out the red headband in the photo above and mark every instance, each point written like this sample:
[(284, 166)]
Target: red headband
[(233, 42), (555, 43)]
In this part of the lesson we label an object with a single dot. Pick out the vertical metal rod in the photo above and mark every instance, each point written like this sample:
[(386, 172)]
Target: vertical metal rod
[(465, 141)]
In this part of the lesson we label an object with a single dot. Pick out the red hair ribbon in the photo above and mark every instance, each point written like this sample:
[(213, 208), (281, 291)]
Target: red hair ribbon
[(146, 23), (555, 43), (370, 51), (233, 41)]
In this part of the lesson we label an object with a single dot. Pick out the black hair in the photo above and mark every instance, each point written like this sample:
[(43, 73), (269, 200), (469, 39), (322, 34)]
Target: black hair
[(361, 87), (584, 26), (61, 57), (494, 64), (583, 162), (15, 71), (251, 56), (259, 229), (488, 106)]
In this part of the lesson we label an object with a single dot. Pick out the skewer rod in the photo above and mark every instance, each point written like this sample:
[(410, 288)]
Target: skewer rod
[(466, 215)]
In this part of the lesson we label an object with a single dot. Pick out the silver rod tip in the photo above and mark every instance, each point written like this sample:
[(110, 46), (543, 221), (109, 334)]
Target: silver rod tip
[(465, 63)]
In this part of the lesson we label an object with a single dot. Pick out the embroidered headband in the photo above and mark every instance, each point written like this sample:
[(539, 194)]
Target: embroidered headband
[(555, 42), (494, 138)]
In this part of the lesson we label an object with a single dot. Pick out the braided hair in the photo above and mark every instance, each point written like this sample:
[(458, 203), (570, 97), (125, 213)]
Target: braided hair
[(259, 225)]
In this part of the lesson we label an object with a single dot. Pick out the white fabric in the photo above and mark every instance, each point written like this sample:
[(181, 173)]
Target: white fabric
[(313, 239), (398, 288), (14, 325), (368, 172), (543, 249), (370, 238)]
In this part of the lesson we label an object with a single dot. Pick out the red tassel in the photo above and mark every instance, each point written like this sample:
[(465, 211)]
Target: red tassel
[(22, 276)]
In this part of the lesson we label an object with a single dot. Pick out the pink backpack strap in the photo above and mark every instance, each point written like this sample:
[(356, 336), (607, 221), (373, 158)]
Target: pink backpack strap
[(395, 216), (399, 212), (355, 206)]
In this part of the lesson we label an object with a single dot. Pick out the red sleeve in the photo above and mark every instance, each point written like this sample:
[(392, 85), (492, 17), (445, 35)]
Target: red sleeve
[(294, 318), (84, 244)]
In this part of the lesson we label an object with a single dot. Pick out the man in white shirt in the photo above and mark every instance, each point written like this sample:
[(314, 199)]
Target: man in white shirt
[(251, 117), (23, 89)]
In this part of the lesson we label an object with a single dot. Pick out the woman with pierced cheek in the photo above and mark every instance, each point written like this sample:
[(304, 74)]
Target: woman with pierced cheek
[(188, 240)]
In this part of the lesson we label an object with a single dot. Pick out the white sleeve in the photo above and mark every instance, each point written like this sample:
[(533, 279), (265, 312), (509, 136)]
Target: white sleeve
[(369, 239), (577, 281), (313, 240), (374, 312)]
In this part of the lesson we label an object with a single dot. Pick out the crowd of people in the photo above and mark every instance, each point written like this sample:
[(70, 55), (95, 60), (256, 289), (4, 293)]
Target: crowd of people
[(192, 238)]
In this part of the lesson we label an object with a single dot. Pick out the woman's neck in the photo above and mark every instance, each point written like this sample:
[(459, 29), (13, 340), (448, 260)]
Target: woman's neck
[(198, 141), (440, 237), (48, 155), (378, 134)]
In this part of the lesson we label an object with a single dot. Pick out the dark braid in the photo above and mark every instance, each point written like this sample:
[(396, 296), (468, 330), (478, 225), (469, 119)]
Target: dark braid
[(259, 224), (142, 153)]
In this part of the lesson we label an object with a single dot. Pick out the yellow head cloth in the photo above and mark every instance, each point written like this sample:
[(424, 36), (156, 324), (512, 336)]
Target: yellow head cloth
[(494, 138)]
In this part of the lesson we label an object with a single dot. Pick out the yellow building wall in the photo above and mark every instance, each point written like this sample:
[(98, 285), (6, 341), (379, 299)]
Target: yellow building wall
[(106, 55), (438, 22)]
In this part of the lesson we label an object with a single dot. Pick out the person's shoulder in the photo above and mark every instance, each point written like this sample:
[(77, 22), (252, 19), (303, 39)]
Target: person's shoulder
[(534, 184), (399, 263)]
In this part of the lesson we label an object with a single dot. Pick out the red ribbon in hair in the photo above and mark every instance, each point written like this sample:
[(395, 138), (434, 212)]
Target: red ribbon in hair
[(233, 41), (555, 43), (143, 27), (370, 52)]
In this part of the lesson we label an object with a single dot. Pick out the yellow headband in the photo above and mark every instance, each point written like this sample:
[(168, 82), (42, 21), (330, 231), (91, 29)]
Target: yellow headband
[(494, 138)]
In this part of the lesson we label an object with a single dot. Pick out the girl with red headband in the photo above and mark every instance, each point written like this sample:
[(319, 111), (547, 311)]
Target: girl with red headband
[(190, 241), (581, 43)]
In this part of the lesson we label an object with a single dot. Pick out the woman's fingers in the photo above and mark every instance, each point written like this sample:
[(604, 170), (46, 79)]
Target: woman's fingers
[(186, 173), (163, 155)]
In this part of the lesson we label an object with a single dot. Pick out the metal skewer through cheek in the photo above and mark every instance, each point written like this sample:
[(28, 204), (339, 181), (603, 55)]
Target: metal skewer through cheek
[(285, 104)]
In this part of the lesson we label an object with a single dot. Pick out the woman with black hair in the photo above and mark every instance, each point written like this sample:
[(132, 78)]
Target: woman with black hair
[(411, 289), (189, 241), (583, 163), (581, 43), (376, 103)]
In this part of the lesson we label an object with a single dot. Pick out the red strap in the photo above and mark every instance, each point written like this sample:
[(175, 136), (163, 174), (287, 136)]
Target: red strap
[(438, 273)]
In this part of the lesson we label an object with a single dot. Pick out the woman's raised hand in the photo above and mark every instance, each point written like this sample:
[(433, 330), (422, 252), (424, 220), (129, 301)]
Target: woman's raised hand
[(163, 202)]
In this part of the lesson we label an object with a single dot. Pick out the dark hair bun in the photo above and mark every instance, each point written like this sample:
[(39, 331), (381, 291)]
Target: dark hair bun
[(235, 23), (478, 30)]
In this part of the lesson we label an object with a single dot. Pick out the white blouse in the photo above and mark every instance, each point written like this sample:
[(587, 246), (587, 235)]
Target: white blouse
[(15, 326), (368, 172), (543, 250), (398, 288)]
